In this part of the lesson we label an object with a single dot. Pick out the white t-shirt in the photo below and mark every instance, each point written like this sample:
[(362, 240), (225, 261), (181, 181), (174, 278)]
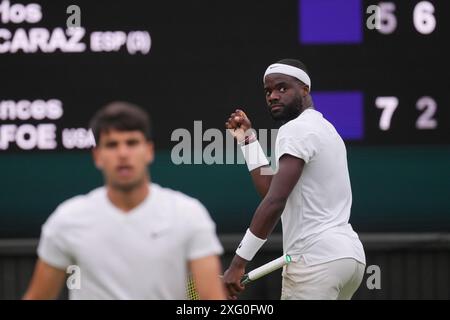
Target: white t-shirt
[(142, 254), (315, 219)]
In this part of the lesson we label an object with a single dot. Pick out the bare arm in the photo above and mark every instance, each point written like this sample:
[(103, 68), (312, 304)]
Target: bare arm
[(239, 125), (206, 273), (262, 181), (46, 283), (267, 214), (270, 209)]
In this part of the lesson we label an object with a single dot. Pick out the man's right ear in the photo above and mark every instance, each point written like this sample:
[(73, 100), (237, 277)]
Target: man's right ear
[(96, 157)]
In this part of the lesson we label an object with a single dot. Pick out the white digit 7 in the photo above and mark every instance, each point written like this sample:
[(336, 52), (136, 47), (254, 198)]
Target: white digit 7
[(388, 104)]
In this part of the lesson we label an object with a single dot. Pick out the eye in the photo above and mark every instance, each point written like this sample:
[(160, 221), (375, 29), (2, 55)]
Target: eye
[(110, 144), (267, 93), (133, 142), (282, 89)]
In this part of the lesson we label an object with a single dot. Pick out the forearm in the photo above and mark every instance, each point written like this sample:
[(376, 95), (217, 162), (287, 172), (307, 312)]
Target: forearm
[(46, 282), (262, 178), (258, 165), (238, 262), (263, 223), (266, 216), (206, 272)]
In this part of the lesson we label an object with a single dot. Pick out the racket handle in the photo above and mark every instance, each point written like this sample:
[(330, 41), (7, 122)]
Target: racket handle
[(245, 279), (266, 269)]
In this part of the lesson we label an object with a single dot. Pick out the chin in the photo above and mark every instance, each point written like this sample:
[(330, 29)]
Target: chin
[(278, 116), (126, 186)]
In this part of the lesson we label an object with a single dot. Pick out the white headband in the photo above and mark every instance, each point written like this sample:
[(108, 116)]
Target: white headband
[(290, 71)]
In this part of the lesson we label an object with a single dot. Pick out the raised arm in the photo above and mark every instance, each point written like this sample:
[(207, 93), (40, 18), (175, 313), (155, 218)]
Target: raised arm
[(240, 127)]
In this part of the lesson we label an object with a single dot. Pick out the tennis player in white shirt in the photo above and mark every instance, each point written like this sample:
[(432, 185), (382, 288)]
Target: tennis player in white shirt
[(131, 238), (310, 191)]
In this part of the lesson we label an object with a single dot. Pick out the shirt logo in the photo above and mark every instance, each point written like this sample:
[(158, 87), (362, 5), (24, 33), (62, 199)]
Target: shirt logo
[(155, 234)]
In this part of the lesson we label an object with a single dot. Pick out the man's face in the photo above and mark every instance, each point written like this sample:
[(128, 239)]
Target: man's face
[(284, 96), (123, 157)]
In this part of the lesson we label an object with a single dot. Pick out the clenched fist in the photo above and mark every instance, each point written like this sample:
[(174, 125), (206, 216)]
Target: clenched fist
[(239, 125)]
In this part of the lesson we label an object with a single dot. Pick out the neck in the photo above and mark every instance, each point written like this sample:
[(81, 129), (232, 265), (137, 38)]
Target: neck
[(126, 200), (306, 108), (308, 104)]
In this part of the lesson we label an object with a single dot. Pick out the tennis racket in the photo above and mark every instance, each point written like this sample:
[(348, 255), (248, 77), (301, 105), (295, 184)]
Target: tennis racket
[(251, 276), (265, 269)]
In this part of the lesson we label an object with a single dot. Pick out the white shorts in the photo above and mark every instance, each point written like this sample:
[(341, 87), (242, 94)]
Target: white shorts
[(334, 280)]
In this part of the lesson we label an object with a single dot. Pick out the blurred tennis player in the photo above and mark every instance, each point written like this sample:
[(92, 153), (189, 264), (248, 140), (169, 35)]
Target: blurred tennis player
[(131, 239), (310, 191)]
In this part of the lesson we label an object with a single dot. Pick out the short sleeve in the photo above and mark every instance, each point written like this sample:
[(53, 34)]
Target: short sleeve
[(202, 240), (305, 146), (52, 248)]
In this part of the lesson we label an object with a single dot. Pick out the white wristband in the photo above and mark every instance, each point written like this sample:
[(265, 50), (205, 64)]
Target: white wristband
[(254, 155), (249, 246)]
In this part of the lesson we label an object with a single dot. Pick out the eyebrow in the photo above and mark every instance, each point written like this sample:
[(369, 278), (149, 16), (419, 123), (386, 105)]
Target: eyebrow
[(127, 141), (277, 85), (132, 140), (111, 143)]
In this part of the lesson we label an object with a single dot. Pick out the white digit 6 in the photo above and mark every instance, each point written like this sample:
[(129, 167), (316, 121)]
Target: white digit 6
[(423, 17)]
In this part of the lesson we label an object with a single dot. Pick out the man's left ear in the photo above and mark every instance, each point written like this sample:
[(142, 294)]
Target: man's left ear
[(305, 91)]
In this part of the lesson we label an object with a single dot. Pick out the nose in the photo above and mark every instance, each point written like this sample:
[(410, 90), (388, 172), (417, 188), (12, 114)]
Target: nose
[(273, 97), (123, 150)]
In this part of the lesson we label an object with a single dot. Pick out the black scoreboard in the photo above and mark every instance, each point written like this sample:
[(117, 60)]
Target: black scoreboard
[(378, 69)]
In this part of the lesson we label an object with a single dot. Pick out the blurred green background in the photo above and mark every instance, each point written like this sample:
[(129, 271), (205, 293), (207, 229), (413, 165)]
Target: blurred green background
[(394, 189)]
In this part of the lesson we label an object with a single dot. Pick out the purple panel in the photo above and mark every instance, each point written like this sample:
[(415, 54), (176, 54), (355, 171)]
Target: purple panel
[(330, 21), (345, 110)]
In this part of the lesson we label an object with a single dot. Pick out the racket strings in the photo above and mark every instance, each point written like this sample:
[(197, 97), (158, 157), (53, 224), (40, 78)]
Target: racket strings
[(191, 290)]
